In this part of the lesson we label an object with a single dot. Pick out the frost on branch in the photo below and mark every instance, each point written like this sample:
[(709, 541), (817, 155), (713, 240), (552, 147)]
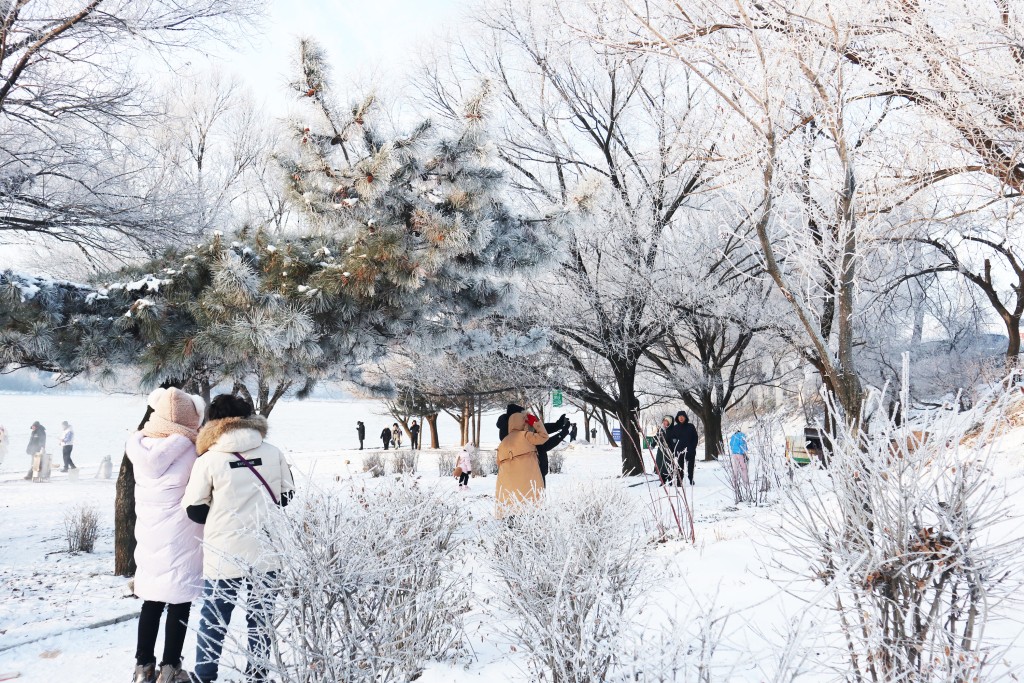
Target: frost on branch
[(372, 586), (568, 573), (908, 535)]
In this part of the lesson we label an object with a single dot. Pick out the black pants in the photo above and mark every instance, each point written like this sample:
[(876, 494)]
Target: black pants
[(174, 632), (360, 443), (386, 444), (464, 479), (415, 442), (67, 458), (687, 460)]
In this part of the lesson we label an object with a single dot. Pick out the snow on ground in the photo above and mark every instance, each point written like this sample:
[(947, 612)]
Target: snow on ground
[(58, 614)]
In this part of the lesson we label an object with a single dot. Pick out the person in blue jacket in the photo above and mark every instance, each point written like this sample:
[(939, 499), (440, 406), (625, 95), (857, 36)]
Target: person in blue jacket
[(738, 444)]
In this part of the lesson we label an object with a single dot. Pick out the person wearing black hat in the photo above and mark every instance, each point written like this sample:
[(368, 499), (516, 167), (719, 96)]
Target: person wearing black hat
[(557, 431), (682, 443), (361, 433), (36, 443)]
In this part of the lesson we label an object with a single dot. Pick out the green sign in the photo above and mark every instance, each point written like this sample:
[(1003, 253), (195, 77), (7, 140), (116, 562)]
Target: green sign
[(556, 399)]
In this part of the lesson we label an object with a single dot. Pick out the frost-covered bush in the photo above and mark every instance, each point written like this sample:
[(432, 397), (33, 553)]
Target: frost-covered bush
[(567, 572), (372, 584), (446, 461), (764, 469), (81, 528), (481, 461), (903, 534), (556, 460), (373, 463), (405, 462)]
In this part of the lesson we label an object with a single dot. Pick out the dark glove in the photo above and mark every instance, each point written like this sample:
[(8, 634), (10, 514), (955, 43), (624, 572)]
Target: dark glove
[(563, 422)]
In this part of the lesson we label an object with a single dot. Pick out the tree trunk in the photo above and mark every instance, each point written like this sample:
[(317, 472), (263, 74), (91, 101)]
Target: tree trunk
[(603, 419), (586, 424), (713, 437), (1013, 347), (479, 423), (124, 514), (431, 421), (632, 448)]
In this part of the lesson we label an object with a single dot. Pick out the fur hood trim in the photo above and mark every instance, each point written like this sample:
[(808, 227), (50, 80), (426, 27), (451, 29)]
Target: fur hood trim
[(213, 430)]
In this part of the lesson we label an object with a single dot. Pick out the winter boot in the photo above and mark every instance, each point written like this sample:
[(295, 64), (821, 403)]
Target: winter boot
[(145, 673), (172, 674)]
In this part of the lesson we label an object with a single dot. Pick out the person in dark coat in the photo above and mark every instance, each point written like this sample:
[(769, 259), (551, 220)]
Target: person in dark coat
[(682, 443), (557, 435), (361, 431), (385, 436), (36, 443), (660, 460), (414, 430), (502, 422), (572, 432)]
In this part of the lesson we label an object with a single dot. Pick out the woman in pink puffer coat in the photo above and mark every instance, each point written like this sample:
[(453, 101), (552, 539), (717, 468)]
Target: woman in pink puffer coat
[(169, 554)]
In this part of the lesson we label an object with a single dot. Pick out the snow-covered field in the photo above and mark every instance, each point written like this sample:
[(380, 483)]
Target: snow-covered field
[(65, 617)]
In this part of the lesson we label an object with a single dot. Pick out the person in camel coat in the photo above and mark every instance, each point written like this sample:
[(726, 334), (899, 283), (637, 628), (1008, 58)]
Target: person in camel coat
[(519, 477)]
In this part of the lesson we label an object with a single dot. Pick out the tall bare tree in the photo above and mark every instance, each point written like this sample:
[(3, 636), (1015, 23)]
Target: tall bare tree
[(73, 106)]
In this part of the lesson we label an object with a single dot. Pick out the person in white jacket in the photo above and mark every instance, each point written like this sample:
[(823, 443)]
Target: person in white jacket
[(238, 478), (169, 551)]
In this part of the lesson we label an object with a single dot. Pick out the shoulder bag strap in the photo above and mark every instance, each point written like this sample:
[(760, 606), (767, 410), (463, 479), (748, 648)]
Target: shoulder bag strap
[(258, 476)]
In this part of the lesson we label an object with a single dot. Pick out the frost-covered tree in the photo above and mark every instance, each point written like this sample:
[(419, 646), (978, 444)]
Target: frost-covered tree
[(75, 113), (427, 235), (575, 112)]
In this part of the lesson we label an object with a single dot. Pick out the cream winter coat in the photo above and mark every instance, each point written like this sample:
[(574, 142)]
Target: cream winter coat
[(238, 500), (169, 554)]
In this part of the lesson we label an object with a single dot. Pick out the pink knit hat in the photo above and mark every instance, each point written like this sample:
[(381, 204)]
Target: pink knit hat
[(174, 412)]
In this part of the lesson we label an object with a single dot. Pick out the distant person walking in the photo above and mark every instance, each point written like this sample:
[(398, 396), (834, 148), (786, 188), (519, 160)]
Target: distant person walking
[(67, 444), (36, 444), (236, 480), (396, 435), (682, 442), (572, 432), (169, 550), (361, 432), (385, 436), (414, 430)]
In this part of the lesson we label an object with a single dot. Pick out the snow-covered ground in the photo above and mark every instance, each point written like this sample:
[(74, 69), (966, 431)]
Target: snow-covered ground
[(66, 617)]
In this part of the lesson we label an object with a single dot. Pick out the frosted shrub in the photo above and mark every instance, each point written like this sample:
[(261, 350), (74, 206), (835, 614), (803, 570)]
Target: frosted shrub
[(404, 462), (567, 573), (695, 648), (481, 461), (446, 461), (372, 585), (556, 460), (765, 467), (81, 528), (374, 464), (902, 533)]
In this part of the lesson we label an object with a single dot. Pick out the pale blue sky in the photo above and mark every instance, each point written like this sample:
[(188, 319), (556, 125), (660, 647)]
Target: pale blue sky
[(371, 41)]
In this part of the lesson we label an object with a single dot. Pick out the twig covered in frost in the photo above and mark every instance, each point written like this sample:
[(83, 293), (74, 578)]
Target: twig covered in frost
[(763, 471), (569, 574), (371, 586), (908, 534)]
